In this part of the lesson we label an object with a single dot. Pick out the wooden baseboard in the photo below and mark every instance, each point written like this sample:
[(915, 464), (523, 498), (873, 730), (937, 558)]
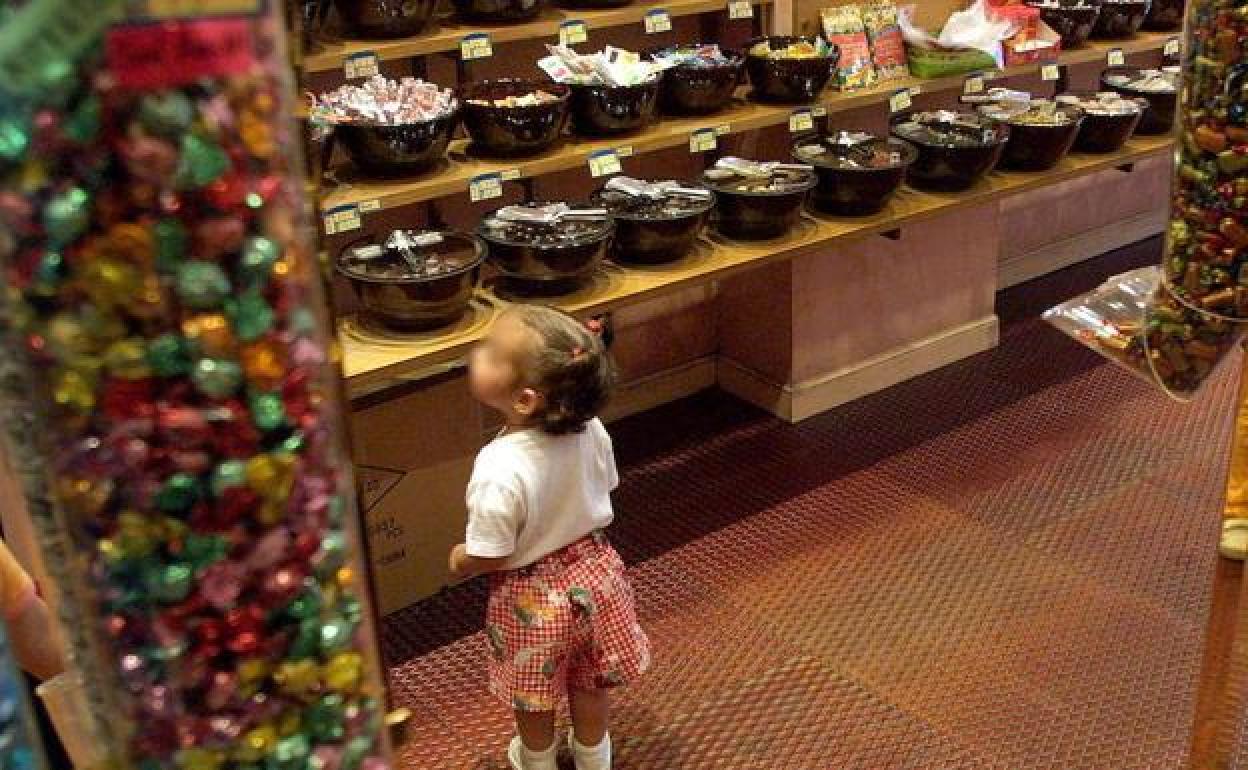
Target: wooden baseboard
[(660, 388), (1076, 248), (796, 402)]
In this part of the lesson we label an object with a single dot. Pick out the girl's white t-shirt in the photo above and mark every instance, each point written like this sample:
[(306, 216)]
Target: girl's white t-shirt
[(532, 493)]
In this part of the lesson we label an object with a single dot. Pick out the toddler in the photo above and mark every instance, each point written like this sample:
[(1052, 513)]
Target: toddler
[(561, 623)]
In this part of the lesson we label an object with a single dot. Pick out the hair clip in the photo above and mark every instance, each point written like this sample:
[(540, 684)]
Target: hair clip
[(595, 326)]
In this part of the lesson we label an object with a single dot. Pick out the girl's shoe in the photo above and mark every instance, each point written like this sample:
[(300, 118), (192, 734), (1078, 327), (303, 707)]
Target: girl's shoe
[(521, 758), (591, 757)]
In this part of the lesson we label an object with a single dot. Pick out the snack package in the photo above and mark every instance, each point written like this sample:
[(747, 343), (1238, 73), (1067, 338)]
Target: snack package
[(844, 27), (888, 50)]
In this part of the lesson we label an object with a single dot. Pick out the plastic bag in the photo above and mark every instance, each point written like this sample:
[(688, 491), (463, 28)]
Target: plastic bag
[(970, 29)]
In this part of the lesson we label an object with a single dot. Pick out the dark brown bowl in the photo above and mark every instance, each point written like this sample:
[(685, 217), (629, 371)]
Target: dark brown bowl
[(510, 131), (395, 151), (610, 110), (1164, 15), (416, 304), (951, 168), (853, 191), (751, 215), (1039, 148), (788, 81), (384, 19), (688, 90), (498, 11), (594, 3), (544, 270), (1159, 117), (653, 240), (1103, 133), (1120, 18), (1073, 23)]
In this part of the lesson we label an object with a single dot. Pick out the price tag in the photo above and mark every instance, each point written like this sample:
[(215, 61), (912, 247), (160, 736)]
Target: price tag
[(1116, 58), (974, 84), (367, 206), (900, 100), (485, 186), (475, 46), (342, 219), (1171, 48), (818, 111), (360, 65), (1050, 72), (164, 9), (510, 174), (573, 31), (658, 20), (801, 120), (915, 90), (703, 140), (740, 9), (605, 163)]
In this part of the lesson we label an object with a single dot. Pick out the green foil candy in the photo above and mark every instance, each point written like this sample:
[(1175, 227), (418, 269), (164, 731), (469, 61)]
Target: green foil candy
[(169, 356), (202, 285), (169, 583), (229, 474), (66, 216), (179, 492), (171, 240), (83, 123), (291, 753), (202, 550), (202, 163), (259, 256), (166, 114), (324, 719), (336, 634), (216, 377), (251, 315), (267, 411), (14, 138)]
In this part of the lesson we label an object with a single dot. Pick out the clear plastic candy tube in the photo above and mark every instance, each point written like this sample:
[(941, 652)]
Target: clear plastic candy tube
[(164, 328)]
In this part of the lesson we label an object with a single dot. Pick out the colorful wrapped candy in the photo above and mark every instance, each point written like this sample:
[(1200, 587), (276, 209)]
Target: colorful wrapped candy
[(166, 347)]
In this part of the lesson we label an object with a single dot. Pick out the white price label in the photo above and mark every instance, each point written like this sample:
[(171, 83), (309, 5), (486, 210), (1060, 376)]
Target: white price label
[(915, 90), (973, 85), (722, 129), (510, 174), (658, 20), (360, 65), (367, 206), (342, 219), (740, 9), (1172, 47), (1050, 72), (900, 100), (819, 112), (605, 163), (573, 31), (703, 140), (801, 120), (476, 46), (1116, 57), (485, 186)]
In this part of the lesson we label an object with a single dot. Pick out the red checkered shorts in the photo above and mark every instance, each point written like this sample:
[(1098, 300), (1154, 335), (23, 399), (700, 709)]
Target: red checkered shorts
[(565, 621)]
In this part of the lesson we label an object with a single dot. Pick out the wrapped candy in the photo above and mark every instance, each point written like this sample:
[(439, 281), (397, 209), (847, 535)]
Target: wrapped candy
[(611, 67), (383, 102), (169, 395)]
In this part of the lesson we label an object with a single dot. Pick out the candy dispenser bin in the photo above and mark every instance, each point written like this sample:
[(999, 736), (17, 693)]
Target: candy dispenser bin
[(166, 340)]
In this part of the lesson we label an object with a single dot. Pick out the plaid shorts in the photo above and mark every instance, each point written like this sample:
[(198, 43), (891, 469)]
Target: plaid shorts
[(565, 621)]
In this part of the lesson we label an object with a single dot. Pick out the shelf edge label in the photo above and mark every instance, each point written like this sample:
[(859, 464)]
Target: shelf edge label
[(475, 46), (573, 31), (657, 20)]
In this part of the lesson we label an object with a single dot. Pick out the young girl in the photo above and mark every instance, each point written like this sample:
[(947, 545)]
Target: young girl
[(561, 623)]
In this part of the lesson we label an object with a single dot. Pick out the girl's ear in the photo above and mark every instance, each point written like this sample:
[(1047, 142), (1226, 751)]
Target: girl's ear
[(526, 402)]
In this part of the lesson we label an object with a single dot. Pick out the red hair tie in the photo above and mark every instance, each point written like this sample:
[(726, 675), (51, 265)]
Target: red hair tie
[(594, 326)]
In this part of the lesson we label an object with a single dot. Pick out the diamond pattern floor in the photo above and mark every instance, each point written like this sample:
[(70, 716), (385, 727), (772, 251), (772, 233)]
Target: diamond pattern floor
[(1003, 564)]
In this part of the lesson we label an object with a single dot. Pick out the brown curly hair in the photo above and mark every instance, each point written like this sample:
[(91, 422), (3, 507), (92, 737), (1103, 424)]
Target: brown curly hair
[(569, 366)]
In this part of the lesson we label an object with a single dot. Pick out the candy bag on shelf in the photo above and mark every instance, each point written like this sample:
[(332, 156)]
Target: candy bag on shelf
[(888, 50), (168, 373), (844, 27)]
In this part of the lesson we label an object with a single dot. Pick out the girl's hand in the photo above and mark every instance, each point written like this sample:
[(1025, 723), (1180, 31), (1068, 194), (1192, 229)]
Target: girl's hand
[(455, 562), (463, 566)]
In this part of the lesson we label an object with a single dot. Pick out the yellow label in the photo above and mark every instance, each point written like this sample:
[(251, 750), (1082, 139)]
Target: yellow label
[(624, 151), (973, 85), (511, 174), (1116, 57), (486, 186), (161, 9), (722, 128), (475, 46), (360, 65), (604, 163), (342, 219), (740, 9), (703, 140), (900, 100), (658, 20), (367, 206), (1050, 72), (573, 32), (801, 120), (1172, 47)]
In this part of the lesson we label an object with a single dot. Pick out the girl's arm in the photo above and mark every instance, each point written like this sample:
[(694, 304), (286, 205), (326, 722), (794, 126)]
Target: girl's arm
[(464, 566)]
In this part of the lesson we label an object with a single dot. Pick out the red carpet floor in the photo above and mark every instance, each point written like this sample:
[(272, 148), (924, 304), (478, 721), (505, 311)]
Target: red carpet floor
[(1003, 564)]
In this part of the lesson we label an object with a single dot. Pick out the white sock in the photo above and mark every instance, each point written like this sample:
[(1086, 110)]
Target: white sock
[(591, 757), (523, 758)]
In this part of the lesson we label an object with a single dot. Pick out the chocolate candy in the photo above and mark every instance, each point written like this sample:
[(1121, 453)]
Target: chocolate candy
[(170, 403)]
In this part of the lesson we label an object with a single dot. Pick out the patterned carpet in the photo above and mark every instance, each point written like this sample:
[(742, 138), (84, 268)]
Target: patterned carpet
[(1003, 564)]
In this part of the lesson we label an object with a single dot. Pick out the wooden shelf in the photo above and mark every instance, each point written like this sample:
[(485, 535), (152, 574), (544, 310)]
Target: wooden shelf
[(448, 32), (455, 175), (373, 363)]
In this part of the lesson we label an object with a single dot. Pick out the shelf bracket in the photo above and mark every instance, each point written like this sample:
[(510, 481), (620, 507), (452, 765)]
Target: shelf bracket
[(893, 234), (1125, 168)]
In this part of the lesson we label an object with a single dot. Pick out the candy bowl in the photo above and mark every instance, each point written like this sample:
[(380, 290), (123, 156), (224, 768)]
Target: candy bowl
[(1041, 132), (607, 110), (1120, 18), (510, 117), (1159, 88), (955, 149), (857, 172), (1164, 15), (757, 200), (789, 69), (655, 222), (413, 281), (1109, 119), (546, 248), (702, 81), (390, 128), (498, 11), (384, 19), (1073, 22)]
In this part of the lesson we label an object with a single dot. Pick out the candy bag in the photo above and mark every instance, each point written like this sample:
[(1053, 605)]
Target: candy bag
[(844, 27), (888, 50)]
